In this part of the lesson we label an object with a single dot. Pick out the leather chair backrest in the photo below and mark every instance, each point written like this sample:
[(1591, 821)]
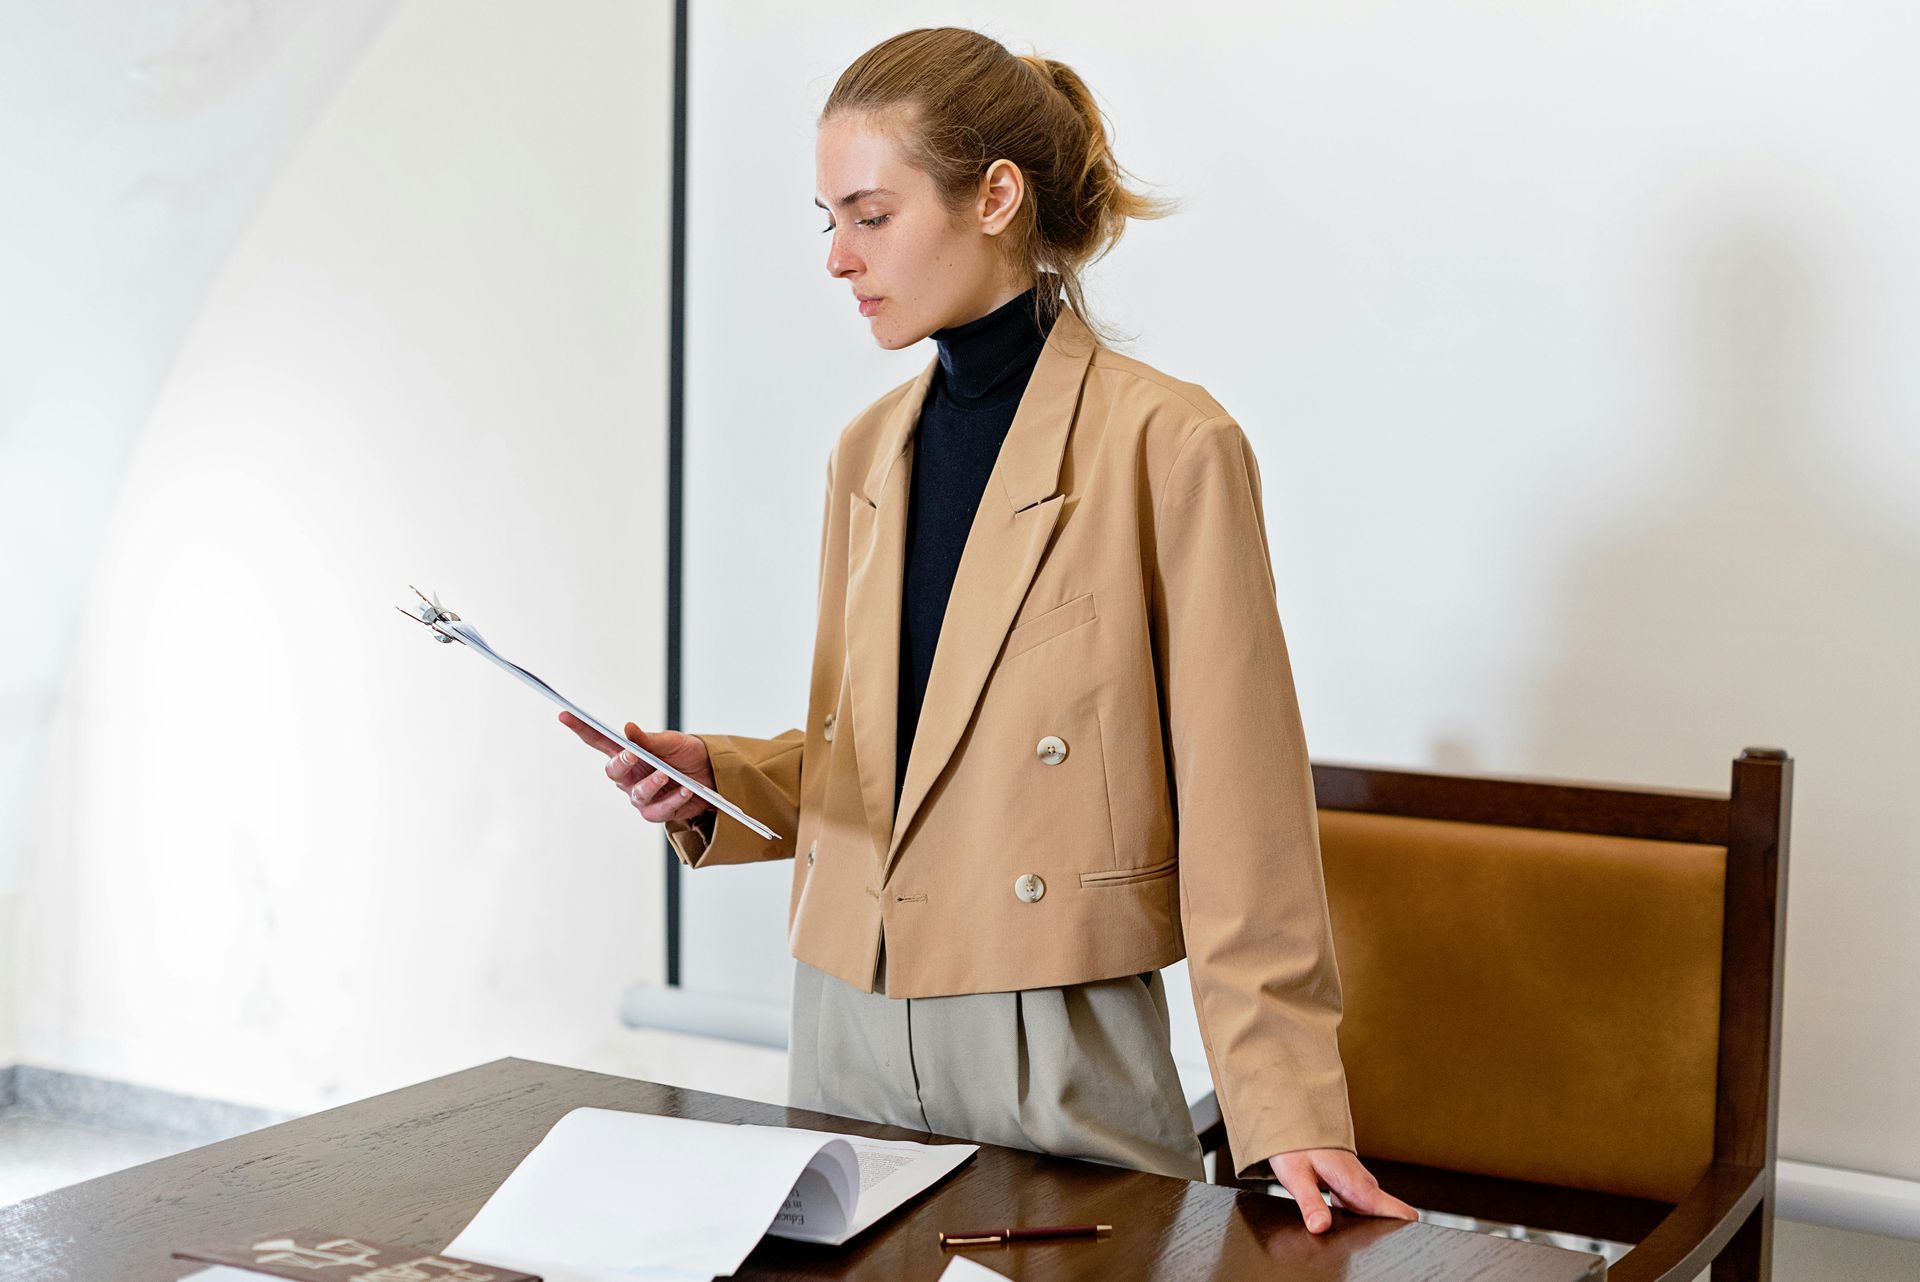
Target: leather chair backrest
[(1526, 1003)]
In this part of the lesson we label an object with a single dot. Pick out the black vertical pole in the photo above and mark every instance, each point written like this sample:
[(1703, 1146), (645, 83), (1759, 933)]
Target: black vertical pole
[(676, 403)]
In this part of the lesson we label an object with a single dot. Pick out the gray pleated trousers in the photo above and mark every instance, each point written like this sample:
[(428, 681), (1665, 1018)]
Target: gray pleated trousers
[(1082, 1070)]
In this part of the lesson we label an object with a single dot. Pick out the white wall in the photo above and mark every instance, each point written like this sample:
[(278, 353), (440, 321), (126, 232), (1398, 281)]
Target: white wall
[(288, 850), (1575, 343), (136, 143), (9, 939)]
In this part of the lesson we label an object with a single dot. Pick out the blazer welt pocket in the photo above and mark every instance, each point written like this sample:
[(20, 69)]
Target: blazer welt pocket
[(1127, 876), (1050, 624)]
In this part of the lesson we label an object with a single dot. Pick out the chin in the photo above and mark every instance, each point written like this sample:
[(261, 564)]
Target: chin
[(893, 342)]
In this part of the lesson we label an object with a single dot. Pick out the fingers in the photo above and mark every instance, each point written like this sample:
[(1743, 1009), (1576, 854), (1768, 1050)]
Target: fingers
[(1378, 1201), (588, 735), (647, 788), (655, 785), (658, 798), (625, 768), (1356, 1189), (1296, 1175)]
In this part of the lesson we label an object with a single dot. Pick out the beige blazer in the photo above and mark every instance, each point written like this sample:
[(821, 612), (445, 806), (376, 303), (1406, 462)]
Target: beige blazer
[(1109, 771)]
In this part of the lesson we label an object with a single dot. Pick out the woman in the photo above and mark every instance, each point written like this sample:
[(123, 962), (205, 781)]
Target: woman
[(1106, 769)]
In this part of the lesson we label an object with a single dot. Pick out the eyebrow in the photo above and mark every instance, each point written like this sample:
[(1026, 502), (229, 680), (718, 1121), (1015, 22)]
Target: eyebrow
[(855, 197)]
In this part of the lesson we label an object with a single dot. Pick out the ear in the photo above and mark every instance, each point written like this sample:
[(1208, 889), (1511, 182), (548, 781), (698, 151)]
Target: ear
[(1002, 189)]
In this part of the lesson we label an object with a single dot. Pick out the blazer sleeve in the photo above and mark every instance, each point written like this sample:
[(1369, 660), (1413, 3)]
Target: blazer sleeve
[(1253, 904), (761, 776)]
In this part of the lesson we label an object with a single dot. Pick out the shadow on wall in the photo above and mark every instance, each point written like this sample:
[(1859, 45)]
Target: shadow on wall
[(1756, 602)]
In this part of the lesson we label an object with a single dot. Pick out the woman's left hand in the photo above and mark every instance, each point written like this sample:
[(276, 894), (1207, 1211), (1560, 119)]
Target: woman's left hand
[(1303, 1171)]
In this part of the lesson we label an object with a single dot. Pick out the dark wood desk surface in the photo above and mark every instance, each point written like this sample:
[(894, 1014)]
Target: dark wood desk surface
[(412, 1166)]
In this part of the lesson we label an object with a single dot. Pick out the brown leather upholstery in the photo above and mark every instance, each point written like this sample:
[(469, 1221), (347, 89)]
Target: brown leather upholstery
[(1525, 1003)]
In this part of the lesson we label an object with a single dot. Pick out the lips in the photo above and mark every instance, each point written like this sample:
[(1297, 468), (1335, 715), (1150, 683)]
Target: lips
[(868, 306)]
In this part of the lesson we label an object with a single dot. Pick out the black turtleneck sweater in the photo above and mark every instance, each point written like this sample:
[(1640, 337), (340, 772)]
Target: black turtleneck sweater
[(984, 367)]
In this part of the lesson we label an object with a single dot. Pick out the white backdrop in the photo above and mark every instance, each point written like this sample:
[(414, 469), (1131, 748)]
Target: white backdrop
[(1576, 345), (287, 850)]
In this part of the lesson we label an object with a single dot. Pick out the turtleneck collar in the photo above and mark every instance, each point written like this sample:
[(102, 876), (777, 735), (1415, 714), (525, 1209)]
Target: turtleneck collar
[(987, 360)]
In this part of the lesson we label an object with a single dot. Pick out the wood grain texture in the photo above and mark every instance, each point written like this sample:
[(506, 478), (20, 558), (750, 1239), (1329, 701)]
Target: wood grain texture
[(414, 1165)]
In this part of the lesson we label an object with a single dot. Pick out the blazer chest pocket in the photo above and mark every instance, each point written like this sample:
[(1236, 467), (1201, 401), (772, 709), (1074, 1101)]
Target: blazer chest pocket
[(1051, 623)]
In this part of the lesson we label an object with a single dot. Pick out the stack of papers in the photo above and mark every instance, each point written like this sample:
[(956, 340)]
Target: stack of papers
[(611, 1196)]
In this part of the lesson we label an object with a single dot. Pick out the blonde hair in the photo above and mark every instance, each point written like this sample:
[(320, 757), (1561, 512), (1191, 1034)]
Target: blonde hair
[(956, 101)]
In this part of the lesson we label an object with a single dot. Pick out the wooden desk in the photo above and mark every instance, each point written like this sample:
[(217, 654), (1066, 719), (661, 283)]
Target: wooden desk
[(412, 1166)]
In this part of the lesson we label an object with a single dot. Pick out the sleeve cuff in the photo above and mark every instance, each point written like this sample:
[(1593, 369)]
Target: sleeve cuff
[(762, 777), (692, 839)]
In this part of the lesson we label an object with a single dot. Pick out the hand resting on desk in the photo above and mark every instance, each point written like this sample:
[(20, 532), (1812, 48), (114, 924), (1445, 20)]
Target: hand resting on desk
[(1302, 1171)]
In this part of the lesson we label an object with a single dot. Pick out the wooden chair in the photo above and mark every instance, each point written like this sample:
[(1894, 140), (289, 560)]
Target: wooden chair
[(1562, 1003)]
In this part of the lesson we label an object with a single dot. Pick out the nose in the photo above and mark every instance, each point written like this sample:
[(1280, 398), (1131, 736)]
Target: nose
[(840, 262)]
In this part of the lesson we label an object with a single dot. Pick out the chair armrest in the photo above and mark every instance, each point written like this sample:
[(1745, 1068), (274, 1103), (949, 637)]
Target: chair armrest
[(1697, 1229)]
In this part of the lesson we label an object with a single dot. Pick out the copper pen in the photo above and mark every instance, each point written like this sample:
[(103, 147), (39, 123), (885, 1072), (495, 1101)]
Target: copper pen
[(986, 1237)]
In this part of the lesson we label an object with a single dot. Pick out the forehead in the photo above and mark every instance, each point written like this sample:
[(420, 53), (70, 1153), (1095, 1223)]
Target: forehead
[(854, 158)]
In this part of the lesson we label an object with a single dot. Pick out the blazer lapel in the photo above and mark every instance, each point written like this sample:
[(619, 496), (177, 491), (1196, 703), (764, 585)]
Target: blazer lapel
[(876, 557), (1011, 531)]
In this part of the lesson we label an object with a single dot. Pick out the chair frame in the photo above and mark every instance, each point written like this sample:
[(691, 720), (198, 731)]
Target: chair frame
[(1726, 1220)]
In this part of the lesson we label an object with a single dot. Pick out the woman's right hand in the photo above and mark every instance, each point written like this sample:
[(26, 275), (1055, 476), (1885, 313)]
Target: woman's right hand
[(652, 792)]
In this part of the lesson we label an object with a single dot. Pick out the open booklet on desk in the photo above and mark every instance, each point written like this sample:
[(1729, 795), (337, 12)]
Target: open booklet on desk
[(608, 1195)]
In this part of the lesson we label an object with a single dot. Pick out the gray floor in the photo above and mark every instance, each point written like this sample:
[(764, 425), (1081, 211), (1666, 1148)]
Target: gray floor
[(38, 1155), (61, 1128), (1811, 1253)]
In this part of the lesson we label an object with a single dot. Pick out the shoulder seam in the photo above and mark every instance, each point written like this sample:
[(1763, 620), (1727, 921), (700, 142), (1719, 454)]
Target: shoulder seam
[(1166, 486), (1169, 384)]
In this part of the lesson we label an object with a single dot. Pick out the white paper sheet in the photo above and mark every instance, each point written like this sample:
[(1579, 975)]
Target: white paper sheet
[(612, 1196), (890, 1172), (961, 1269)]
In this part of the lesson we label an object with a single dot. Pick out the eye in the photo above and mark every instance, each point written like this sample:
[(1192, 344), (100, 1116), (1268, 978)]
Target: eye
[(861, 222)]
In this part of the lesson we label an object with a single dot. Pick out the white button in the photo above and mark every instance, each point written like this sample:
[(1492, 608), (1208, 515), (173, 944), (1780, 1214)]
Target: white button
[(1029, 887), (827, 727), (1052, 750), (810, 849)]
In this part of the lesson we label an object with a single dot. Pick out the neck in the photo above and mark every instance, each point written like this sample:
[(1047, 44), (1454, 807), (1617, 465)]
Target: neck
[(981, 359)]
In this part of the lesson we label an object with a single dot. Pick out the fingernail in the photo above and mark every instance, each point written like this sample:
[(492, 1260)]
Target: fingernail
[(685, 793), (1318, 1222), (627, 758)]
